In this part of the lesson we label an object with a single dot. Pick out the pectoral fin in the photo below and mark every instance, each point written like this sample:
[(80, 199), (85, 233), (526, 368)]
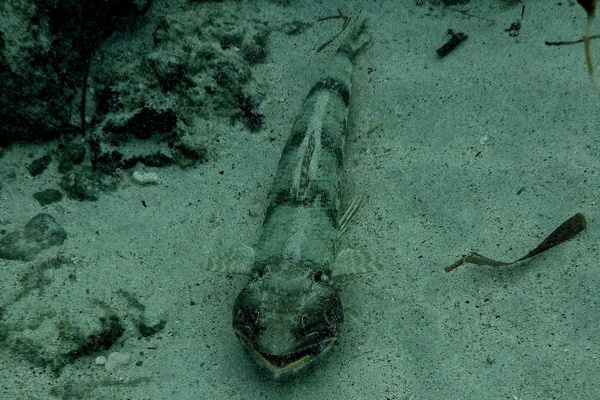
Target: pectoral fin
[(356, 205), (353, 261), (234, 261)]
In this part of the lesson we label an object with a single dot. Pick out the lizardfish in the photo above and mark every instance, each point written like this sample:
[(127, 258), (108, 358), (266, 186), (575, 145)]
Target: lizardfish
[(289, 313)]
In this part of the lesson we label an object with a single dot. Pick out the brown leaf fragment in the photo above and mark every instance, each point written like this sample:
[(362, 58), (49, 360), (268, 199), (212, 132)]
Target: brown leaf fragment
[(564, 232)]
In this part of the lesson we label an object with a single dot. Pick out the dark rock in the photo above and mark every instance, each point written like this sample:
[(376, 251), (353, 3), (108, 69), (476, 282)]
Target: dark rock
[(39, 165), (48, 196)]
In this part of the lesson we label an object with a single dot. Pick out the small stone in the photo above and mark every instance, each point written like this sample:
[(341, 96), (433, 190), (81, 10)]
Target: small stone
[(39, 165), (145, 178), (48, 196), (100, 360), (116, 360)]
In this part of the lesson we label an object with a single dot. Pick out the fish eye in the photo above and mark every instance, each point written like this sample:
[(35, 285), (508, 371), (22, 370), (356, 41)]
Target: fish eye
[(320, 277), (317, 276)]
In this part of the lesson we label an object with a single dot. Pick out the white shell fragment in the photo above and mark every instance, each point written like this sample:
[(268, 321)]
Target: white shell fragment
[(145, 178), (115, 360)]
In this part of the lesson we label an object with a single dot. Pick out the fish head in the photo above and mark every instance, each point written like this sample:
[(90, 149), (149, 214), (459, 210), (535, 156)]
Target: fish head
[(287, 316)]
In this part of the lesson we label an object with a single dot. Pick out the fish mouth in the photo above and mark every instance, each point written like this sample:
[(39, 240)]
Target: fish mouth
[(283, 365)]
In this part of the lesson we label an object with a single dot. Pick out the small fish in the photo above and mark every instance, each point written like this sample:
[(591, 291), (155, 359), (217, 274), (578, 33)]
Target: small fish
[(289, 313)]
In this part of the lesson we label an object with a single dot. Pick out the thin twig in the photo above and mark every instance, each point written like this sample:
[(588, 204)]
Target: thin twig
[(561, 43), (339, 15)]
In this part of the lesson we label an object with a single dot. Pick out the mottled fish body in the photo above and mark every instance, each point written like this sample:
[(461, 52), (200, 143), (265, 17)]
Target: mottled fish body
[(301, 219), (289, 313)]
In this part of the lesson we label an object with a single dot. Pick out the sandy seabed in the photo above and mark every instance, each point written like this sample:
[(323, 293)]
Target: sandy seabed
[(487, 149)]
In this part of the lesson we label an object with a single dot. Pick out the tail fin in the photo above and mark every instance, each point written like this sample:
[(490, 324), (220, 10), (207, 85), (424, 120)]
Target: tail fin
[(357, 41)]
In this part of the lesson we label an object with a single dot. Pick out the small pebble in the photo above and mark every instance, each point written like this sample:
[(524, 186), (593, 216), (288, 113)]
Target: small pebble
[(116, 360), (145, 178)]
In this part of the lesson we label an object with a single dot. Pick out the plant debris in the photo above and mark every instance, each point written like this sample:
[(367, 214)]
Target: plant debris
[(514, 28), (341, 16), (590, 8), (452, 44), (564, 232), (564, 42)]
